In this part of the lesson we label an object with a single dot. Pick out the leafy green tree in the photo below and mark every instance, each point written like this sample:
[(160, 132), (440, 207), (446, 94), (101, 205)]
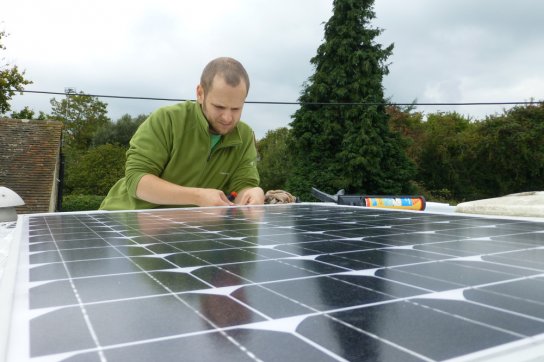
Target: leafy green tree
[(82, 116), (508, 152), (120, 132), (443, 148), (409, 124), (274, 160), (93, 172), (28, 113), (347, 146), (25, 113), (12, 80), (460, 159)]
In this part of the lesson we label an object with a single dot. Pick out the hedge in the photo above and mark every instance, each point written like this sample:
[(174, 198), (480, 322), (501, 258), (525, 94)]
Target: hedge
[(81, 202)]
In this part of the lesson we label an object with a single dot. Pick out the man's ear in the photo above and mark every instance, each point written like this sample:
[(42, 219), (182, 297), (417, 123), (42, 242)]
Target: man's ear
[(199, 94)]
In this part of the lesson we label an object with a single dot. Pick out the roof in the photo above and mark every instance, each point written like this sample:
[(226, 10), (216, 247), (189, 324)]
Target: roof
[(29, 161)]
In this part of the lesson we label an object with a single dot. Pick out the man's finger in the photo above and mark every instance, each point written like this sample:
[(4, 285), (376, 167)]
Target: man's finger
[(225, 199)]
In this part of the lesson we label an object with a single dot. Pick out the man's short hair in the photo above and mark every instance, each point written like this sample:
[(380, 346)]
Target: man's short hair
[(230, 69)]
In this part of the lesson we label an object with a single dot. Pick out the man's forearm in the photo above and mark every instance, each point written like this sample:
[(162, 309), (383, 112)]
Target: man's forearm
[(153, 189), (161, 192)]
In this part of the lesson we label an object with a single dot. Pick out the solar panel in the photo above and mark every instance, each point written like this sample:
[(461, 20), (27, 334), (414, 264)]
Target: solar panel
[(297, 282)]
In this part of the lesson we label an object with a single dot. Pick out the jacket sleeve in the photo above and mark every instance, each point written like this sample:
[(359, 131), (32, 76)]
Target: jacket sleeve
[(149, 150), (246, 174)]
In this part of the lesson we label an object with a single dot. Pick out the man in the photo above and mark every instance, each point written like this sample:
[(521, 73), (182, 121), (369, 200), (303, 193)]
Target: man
[(194, 153)]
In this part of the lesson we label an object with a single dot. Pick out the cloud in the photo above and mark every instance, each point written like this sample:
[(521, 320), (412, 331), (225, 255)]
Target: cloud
[(445, 51), (463, 51)]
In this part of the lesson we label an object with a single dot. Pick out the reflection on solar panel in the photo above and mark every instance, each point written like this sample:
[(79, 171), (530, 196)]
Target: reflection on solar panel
[(300, 282)]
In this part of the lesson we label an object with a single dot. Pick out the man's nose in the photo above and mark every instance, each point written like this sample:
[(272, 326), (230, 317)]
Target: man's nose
[(227, 116)]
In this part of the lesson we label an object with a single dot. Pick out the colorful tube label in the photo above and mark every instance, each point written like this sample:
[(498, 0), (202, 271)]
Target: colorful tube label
[(406, 203)]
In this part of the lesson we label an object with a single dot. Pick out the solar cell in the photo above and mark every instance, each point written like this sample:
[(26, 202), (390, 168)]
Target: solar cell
[(298, 282)]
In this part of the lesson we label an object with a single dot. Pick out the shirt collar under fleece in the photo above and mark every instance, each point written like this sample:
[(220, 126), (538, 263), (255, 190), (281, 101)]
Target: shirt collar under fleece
[(214, 140)]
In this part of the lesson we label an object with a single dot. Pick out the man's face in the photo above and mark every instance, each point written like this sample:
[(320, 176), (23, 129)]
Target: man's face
[(222, 104)]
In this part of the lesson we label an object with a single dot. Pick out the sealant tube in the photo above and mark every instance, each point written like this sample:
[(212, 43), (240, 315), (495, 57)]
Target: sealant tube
[(396, 202), (384, 201)]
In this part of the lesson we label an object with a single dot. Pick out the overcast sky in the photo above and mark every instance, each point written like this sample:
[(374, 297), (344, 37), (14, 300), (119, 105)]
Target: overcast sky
[(445, 51)]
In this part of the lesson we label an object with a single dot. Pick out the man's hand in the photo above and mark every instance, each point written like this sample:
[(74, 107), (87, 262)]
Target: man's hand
[(212, 197), (250, 196)]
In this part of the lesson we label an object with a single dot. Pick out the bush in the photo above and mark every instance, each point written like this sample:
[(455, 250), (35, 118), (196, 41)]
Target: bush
[(94, 171), (81, 202), (274, 163)]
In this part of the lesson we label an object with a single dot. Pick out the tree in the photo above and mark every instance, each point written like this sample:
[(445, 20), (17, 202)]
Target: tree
[(11, 80), (442, 154), (409, 124), (120, 132), (27, 113), (82, 116), (347, 146), (93, 172), (274, 161), (508, 152)]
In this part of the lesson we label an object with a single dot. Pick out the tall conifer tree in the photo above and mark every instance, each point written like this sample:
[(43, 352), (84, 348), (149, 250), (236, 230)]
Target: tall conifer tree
[(347, 146)]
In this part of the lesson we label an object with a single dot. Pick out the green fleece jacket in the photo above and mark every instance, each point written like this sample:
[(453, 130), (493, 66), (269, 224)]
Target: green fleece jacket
[(174, 144)]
